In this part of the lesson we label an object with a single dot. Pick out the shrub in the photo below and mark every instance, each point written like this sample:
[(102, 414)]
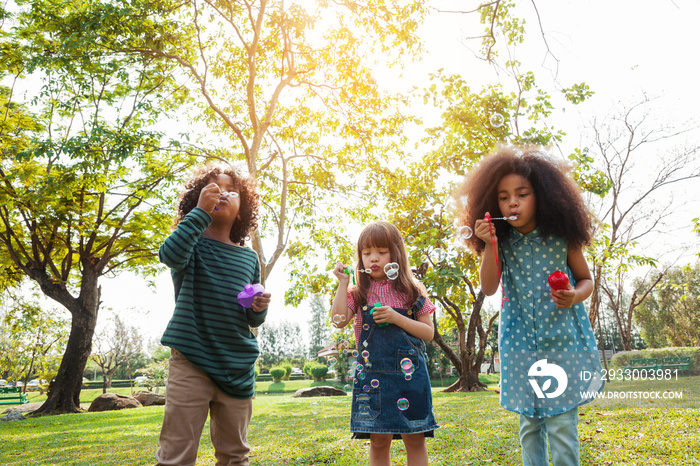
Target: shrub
[(287, 369), (316, 371), (277, 373)]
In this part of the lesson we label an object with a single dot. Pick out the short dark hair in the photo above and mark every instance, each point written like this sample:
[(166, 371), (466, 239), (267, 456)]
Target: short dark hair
[(248, 216)]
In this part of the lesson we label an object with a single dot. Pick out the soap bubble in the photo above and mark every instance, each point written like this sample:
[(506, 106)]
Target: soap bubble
[(402, 404), (365, 388), (361, 375), (355, 353), (374, 383), (332, 361), (408, 376), (365, 354), (347, 388), (463, 233), (410, 239), (337, 319), (438, 255), (365, 327), (407, 366), (497, 120), (392, 270), (360, 367)]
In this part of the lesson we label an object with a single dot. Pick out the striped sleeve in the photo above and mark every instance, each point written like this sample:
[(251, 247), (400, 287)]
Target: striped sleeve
[(177, 249)]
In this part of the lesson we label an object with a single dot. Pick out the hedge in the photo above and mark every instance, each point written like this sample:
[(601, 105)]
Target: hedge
[(620, 360)]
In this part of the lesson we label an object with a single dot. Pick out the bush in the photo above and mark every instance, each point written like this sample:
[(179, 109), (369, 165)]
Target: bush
[(277, 373), (287, 369), (622, 359), (316, 371)]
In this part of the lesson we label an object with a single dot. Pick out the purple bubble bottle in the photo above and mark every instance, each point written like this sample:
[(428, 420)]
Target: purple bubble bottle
[(245, 297)]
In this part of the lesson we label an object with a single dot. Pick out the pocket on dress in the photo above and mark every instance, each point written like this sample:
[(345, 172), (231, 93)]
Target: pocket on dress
[(367, 405)]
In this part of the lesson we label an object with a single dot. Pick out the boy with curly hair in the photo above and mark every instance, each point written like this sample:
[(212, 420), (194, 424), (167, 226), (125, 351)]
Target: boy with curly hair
[(213, 351)]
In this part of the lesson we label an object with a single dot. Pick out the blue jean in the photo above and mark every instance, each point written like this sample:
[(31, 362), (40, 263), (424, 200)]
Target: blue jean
[(562, 431)]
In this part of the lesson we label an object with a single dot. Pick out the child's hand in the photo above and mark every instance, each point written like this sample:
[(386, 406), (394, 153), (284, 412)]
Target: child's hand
[(261, 302), (208, 197), (339, 272), (564, 298), (385, 314), (484, 230)]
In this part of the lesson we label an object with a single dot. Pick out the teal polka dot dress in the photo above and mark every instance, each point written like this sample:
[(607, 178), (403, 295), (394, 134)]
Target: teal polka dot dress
[(549, 357)]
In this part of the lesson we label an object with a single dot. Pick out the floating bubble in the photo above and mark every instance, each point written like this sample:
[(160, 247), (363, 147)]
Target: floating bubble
[(374, 383), (408, 376), (365, 388), (497, 120), (347, 387), (365, 327), (332, 361), (411, 351), (361, 375), (407, 365), (391, 266), (337, 319), (463, 233), (365, 354), (402, 404), (360, 367), (438, 255), (355, 353), (410, 239)]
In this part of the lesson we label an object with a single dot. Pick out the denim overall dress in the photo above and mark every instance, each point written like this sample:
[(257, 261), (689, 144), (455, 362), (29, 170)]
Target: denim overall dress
[(391, 388)]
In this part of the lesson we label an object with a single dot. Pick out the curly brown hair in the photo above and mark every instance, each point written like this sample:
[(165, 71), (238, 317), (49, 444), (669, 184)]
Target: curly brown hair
[(248, 216), (559, 210)]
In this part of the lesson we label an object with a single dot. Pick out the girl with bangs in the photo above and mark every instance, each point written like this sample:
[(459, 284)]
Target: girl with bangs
[(391, 313)]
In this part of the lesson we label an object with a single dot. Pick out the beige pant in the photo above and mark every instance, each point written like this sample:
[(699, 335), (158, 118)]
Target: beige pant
[(190, 396)]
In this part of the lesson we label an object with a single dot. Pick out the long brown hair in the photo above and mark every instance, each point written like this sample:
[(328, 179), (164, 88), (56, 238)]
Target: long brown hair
[(386, 235)]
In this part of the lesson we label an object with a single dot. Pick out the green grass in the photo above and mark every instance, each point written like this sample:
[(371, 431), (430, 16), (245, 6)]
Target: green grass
[(306, 431)]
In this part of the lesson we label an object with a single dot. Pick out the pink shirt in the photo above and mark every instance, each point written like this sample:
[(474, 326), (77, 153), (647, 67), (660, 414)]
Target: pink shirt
[(383, 292)]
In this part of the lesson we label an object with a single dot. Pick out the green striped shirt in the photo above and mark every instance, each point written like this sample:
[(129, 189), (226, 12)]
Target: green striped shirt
[(208, 325)]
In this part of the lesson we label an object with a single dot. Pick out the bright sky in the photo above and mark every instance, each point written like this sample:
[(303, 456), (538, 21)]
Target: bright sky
[(622, 50)]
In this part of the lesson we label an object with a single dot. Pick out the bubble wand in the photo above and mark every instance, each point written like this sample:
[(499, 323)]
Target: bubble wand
[(488, 218)]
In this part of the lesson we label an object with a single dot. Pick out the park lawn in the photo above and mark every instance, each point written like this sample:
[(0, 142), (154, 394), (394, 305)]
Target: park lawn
[(305, 431)]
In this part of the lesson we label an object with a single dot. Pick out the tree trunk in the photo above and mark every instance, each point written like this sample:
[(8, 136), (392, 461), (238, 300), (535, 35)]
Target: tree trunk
[(468, 373), (64, 390), (468, 382)]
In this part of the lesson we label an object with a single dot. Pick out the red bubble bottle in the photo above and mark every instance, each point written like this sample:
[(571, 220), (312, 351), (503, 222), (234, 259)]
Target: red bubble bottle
[(558, 281)]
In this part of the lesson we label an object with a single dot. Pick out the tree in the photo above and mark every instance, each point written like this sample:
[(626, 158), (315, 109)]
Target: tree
[(423, 187), (31, 340), (638, 158), (288, 89), (280, 341), (115, 345), (318, 324), (84, 184), (670, 315)]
